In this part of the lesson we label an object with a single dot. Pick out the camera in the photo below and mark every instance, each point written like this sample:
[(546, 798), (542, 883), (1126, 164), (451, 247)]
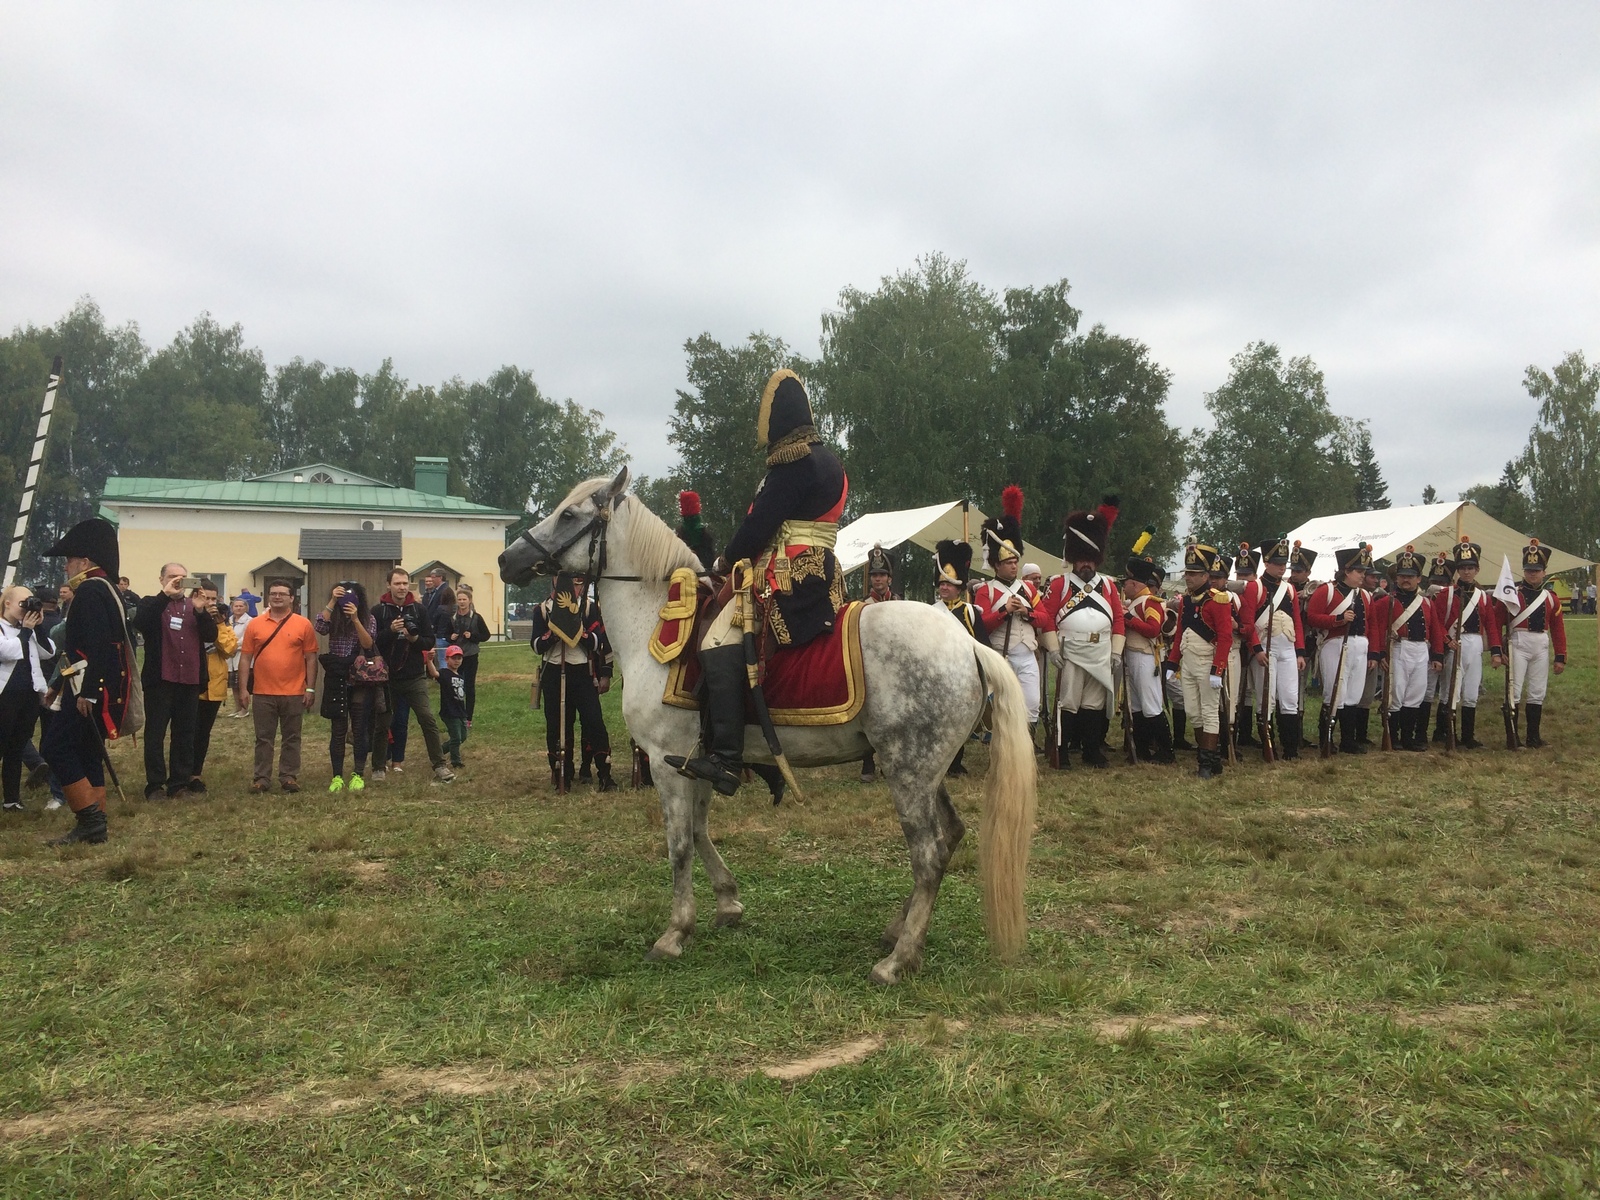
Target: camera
[(413, 627), (32, 604), (349, 586)]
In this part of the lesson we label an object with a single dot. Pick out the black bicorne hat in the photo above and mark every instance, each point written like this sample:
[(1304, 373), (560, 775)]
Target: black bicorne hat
[(785, 411), (94, 539), (954, 560)]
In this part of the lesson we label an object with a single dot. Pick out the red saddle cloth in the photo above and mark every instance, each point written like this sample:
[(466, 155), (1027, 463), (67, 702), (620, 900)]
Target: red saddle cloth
[(820, 683)]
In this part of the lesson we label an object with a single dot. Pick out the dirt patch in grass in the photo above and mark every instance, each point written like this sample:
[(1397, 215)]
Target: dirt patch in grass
[(1451, 1016), (843, 1055), (1117, 1029), (368, 872), (1311, 814)]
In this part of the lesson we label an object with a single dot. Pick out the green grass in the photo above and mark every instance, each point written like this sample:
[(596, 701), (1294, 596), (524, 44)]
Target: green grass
[(1369, 977)]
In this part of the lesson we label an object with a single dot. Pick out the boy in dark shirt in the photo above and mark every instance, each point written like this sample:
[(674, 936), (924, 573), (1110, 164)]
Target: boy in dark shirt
[(453, 703)]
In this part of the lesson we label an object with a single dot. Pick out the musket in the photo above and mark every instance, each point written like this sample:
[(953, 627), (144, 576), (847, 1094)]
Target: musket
[(1055, 724), (1128, 749), (1508, 709), (1330, 703), (1455, 666), (1225, 720), (562, 749), (1264, 700), (1388, 679), (31, 482), (743, 590)]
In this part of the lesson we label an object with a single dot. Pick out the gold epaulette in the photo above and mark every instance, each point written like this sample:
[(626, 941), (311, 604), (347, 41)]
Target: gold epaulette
[(1220, 596)]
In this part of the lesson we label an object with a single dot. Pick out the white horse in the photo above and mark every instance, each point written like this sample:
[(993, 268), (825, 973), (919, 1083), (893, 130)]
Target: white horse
[(926, 685)]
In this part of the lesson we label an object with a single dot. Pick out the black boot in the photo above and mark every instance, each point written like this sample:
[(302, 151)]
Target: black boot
[(1092, 726), (722, 765), (772, 776), (1469, 729), (1289, 735), (555, 769), (869, 767), (602, 772), (90, 829), (1440, 718), (585, 770), (955, 767), (1247, 727), (1350, 721), (1535, 715), (1363, 724), (1143, 739), (1179, 720), (1418, 729), (1068, 722), (1161, 739), (645, 778)]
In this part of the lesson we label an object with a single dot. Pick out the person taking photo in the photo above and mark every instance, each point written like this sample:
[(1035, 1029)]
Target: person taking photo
[(351, 689), (24, 648), (406, 641)]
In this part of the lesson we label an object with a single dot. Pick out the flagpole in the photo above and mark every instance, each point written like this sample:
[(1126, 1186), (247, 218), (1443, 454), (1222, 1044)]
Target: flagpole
[(31, 483)]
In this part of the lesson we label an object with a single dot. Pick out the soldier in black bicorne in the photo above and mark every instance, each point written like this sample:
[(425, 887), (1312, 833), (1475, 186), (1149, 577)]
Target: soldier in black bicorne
[(571, 636), (788, 537)]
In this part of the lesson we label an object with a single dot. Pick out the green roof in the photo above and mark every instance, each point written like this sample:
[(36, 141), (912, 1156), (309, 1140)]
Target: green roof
[(250, 493)]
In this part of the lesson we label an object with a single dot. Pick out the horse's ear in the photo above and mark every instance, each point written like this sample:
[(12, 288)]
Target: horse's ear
[(619, 484)]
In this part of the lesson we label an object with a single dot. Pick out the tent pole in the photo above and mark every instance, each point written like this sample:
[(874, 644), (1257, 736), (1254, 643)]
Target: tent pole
[(1597, 606), (1459, 507)]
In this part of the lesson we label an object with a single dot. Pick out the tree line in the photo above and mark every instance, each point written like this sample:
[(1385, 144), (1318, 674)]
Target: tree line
[(932, 385)]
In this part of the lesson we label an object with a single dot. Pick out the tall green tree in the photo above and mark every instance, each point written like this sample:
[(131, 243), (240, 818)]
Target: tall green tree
[(1561, 464), (1276, 454), (1505, 500), (311, 415), (713, 425), (1371, 490)]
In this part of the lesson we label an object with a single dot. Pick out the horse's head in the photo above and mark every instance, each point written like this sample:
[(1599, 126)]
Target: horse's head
[(563, 540)]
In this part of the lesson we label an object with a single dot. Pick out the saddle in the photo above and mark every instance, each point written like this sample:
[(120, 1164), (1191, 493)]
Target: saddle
[(820, 683)]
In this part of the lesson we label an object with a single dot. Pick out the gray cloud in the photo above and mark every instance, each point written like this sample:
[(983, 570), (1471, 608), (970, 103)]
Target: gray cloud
[(1405, 193)]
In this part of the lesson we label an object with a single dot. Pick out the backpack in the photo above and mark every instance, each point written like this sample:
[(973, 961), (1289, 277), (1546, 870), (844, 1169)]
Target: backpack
[(133, 687)]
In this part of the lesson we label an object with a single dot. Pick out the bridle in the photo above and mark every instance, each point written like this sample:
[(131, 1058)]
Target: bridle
[(548, 562)]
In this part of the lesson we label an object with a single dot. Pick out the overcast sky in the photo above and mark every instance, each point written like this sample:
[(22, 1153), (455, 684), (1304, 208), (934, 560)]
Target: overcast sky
[(1409, 194)]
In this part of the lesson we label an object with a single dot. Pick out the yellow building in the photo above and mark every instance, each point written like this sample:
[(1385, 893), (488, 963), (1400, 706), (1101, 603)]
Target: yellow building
[(241, 533)]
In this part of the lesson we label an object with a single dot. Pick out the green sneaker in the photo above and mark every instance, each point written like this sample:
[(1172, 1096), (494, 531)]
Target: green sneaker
[(355, 783), (337, 785)]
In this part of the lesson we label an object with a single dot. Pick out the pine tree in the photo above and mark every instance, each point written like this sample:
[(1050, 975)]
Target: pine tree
[(1371, 490)]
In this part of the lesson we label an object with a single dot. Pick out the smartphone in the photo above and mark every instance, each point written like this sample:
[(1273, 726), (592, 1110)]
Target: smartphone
[(189, 582)]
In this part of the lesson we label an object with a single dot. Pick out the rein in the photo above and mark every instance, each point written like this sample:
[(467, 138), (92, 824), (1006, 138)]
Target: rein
[(595, 531)]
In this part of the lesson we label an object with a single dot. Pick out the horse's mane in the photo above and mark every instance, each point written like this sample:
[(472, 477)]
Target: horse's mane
[(654, 547)]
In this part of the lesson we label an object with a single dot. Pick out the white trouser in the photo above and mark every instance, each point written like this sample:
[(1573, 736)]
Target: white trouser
[(1372, 686), (1530, 665), (1284, 687), (1409, 665), (1141, 675), (1081, 691), (1439, 680), (1026, 667), (1201, 701), (1355, 670), (1469, 676), (1174, 690)]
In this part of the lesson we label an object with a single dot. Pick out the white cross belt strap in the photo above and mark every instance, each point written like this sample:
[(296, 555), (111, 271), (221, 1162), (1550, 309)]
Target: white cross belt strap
[(1267, 610), (1344, 604), (1006, 594), (1471, 606), (1404, 618), (1088, 596), (1521, 618)]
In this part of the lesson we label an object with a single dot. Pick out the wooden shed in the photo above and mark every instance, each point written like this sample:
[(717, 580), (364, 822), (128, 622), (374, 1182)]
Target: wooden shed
[(332, 556)]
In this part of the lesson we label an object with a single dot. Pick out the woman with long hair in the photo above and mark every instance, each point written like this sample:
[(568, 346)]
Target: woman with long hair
[(23, 647), (349, 701), (468, 630)]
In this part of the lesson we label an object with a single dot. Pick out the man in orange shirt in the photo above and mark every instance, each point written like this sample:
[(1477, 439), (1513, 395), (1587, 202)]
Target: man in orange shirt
[(278, 668)]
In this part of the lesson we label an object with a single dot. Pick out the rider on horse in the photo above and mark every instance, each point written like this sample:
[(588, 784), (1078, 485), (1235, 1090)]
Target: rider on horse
[(788, 536)]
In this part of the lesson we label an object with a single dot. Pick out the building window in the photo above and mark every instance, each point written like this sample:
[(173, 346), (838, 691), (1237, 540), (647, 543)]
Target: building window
[(322, 477)]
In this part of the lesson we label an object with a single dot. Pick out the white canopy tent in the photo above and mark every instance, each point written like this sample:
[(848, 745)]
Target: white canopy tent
[(1429, 527), (924, 527)]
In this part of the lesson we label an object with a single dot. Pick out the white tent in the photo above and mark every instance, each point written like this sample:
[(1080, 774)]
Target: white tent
[(924, 527), (1429, 527)]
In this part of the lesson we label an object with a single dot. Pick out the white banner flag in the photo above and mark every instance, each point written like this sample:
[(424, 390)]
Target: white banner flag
[(1505, 588)]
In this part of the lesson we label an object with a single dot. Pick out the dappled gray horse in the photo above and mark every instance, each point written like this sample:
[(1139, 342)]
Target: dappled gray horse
[(926, 684)]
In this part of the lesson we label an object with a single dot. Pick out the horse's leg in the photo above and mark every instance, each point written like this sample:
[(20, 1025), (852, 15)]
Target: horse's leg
[(916, 801), (951, 830), (729, 910), (678, 815)]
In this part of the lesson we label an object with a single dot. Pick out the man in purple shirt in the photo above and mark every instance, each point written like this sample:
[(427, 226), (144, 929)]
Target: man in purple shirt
[(174, 674)]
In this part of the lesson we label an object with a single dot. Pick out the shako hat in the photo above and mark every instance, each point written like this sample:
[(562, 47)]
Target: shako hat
[(954, 560), (1409, 562), (1301, 558), (94, 539), (1276, 553), (785, 424), (1467, 553), (1002, 535), (1142, 567), (1089, 533), (688, 504), (1535, 557), (878, 560), (1197, 556), (1222, 566), (1249, 559), (1356, 556), (1443, 569)]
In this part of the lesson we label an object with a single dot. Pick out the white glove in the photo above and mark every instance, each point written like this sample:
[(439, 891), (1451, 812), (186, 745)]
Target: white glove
[(1216, 683), (1171, 674), (1116, 664)]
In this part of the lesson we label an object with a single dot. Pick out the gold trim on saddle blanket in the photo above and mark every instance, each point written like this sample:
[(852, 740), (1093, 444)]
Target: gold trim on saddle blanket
[(676, 618), (678, 695)]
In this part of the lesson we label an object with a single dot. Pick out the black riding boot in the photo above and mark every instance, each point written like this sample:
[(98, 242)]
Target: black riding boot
[(90, 829), (772, 776), (1092, 726), (1535, 716), (1289, 735), (1469, 729), (1350, 723), (1418, 729), (869, 767), (722, 764), (1247, 727), (555, 769), (1363, 724), (586, 768), (645, 778), (1143, 739), (1066, 724), (1161, 739), (602, 772), (955, 767), (1179, 720)]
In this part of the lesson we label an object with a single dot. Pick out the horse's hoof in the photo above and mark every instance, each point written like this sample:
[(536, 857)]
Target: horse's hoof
[(885, 973), (727, 918), (664, 951)]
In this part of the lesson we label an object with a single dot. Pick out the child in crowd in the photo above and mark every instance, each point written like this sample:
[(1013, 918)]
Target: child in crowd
[(453, 703)]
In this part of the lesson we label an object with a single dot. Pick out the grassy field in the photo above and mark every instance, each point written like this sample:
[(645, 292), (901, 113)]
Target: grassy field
[(1369, 977)]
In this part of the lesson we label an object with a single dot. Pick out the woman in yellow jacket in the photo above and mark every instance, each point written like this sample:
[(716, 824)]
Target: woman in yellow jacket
[(216, 686)]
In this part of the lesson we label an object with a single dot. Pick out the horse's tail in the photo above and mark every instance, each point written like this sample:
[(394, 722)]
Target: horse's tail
[(1010, 797)]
